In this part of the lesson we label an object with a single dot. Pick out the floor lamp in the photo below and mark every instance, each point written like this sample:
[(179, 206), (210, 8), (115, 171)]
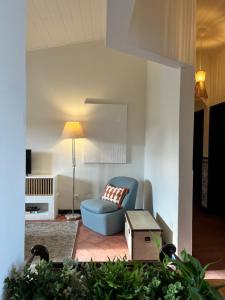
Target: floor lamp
[(73, 131)]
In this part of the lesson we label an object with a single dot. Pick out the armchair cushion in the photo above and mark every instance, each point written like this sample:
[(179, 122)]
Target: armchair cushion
[(114, 194), (99, 206)]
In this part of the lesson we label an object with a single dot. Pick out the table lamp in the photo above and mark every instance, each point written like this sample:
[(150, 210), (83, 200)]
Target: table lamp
[(73, 131)]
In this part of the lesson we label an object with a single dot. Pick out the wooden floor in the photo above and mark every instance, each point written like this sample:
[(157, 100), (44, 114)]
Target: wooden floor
[(209, 239)]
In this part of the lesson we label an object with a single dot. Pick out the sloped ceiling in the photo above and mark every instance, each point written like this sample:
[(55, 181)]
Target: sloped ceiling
[(211, 22), (53, 23)]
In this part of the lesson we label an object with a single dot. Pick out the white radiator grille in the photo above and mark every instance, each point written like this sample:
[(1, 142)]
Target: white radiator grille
[(39, 186)]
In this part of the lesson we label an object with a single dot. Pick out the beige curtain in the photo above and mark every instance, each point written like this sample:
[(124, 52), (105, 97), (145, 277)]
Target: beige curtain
[(166, 27), (213, 62)]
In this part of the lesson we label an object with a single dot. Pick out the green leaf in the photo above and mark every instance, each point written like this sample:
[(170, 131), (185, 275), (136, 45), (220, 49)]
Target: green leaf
[(215, 293), (194, 294), (156, 239)]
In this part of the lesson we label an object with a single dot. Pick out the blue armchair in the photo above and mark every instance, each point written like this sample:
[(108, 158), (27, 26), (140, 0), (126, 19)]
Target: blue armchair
[(104, 216)]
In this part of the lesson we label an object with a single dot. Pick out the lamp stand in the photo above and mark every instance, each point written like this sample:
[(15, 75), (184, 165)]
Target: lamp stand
[(73, 216)]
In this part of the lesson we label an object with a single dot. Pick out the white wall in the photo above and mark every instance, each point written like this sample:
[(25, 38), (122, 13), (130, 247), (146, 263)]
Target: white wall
[(12, 133), (186, 129), (168, 156), (162, 144), (59, 81), (163, 32)]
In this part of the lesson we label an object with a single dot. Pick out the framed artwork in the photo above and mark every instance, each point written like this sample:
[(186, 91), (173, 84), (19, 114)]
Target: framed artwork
[(106, 132)]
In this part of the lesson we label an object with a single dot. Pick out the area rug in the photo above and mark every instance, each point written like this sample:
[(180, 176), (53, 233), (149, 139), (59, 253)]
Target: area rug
[(58, 237)]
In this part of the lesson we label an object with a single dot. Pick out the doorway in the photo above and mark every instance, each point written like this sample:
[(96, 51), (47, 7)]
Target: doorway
[(197, 156), (209, 189), (216, 177)]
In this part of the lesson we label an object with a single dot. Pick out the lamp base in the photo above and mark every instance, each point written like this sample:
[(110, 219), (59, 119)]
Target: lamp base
[(73, 217)]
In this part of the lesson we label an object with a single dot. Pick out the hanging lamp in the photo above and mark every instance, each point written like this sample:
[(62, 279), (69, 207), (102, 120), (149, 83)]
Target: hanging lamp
[(200, 75)]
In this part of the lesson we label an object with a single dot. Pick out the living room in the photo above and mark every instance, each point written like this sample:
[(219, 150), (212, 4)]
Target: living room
[(90, 75), (82, 81), (62, 87)]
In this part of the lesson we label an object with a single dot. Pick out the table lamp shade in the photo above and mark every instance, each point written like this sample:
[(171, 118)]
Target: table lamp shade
[(73, 130)]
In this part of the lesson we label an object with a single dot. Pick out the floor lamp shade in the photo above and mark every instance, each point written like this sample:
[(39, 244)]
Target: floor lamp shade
[(73, 130)]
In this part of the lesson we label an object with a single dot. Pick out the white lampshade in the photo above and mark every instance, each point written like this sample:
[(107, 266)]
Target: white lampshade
[(73, 130)]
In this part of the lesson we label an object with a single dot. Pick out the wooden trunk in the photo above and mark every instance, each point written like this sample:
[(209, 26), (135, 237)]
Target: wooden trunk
[(143, 235)]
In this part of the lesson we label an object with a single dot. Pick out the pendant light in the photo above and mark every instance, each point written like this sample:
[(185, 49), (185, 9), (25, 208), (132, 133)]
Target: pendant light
[(200, 75)]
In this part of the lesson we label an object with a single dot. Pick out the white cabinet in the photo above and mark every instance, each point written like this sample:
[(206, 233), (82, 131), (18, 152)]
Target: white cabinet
[(41, 192)]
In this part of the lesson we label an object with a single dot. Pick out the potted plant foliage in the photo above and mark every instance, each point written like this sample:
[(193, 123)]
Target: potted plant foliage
[(170, 280)]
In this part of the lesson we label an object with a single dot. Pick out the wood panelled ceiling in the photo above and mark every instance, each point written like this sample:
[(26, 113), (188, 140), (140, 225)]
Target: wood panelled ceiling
[(61, 22), (52, 23), (211, 18)]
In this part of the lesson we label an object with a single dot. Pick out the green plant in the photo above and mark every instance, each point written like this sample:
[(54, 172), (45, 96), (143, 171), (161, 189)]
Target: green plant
[(45, 283), (114, 280), (192, 275), (171, 280)]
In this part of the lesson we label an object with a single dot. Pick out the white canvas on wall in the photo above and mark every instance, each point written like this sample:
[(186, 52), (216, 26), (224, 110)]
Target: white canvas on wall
[(106, 133)]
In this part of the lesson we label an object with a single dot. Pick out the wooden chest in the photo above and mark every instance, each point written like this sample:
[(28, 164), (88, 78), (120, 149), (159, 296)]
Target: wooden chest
[(143, 235)]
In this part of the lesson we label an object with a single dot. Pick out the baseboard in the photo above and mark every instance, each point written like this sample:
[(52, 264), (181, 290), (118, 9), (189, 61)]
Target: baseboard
[(68, 211)]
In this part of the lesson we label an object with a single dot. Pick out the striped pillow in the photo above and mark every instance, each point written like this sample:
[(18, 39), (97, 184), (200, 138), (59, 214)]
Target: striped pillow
[(114, 194)]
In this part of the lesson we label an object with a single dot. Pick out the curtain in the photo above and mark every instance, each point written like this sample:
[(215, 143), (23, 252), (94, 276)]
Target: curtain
[(213, 62)]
